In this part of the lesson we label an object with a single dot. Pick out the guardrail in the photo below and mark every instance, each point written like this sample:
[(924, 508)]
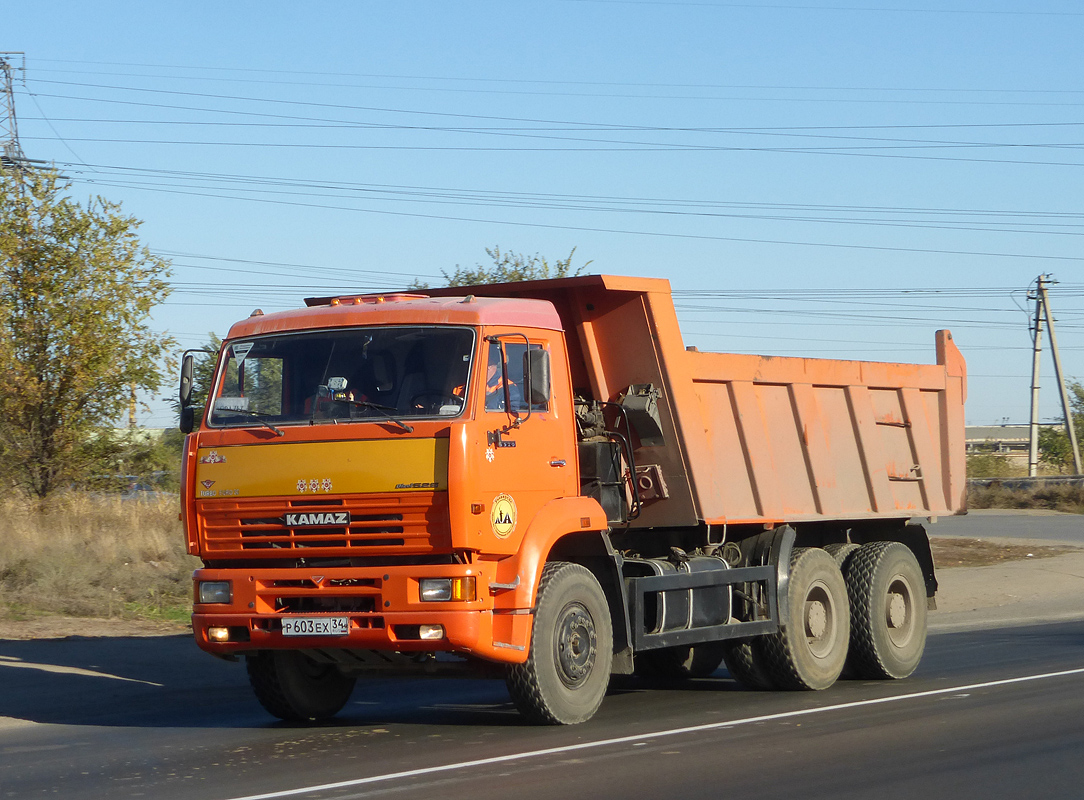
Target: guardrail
[(1027, 483)]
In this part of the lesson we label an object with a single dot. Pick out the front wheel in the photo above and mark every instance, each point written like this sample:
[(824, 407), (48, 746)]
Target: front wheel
[(811, 651), (293, 687), (564, 678)]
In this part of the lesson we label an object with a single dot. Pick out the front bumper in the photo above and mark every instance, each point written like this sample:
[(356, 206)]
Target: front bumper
[(382, 606)]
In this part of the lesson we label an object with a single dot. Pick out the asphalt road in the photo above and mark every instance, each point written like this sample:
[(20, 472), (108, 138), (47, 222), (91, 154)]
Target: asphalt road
[(1049, 526), (180, 725), (990, 713)]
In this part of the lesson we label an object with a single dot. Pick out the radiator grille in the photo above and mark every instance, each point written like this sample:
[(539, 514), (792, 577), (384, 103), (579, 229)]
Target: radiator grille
[(402, 523)]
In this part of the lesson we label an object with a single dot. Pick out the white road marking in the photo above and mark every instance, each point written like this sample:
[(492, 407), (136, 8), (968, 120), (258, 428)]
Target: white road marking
[(642, 738), (11, 661), (14, 722)]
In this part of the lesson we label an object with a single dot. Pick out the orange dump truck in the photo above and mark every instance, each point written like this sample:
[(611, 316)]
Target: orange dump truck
[(541, 477)]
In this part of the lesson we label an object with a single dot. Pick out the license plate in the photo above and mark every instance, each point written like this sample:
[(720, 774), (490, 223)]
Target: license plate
[(315, 626)]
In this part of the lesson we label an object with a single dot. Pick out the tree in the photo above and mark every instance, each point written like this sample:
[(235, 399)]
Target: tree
[(509, 267), (132, 460), (76, 292), (1055, 449)]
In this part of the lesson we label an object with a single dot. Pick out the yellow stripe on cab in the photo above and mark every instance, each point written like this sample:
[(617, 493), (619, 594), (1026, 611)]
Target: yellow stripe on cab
[(321, 468)]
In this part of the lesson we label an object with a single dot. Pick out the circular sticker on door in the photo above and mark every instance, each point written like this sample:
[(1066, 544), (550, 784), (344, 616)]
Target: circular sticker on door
[(503, 516)]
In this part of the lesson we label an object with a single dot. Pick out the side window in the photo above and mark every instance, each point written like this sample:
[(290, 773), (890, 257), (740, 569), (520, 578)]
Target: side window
[(518, 370), (495, 400), (253, 385)]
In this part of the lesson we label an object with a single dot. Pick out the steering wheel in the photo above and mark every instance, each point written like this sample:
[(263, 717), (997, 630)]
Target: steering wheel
[(431, 402)]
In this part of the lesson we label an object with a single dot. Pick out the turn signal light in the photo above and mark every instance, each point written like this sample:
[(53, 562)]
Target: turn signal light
[(462, 589)]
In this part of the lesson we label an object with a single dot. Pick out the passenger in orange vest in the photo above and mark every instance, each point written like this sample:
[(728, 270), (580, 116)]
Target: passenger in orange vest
[(495, 384)]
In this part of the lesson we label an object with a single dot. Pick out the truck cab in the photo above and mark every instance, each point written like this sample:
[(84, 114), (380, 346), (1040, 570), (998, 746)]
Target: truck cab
[(367, 468)]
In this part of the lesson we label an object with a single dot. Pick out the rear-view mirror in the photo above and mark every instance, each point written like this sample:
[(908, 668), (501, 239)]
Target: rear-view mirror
[(187, 371)]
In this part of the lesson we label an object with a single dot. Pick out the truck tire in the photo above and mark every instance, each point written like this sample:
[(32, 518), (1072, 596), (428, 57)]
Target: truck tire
[(295, 688), (564, 678), (888, 611), (841, 551), (676, 664), (744, 666), (810, 652)]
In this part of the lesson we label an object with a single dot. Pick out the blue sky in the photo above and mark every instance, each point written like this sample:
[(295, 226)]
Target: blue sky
[(833, 179)]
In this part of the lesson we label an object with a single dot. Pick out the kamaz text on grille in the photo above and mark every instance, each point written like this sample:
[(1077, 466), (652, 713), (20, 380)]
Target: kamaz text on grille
[(316, 518)]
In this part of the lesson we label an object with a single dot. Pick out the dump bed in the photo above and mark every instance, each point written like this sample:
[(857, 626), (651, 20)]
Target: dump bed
[(761, 439)]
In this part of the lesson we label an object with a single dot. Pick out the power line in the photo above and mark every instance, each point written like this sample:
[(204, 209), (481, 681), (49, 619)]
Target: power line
[(506, 196), (1000, 227), (444, 87), (371, 109), (661, 234), (849, 9), (530, 81), (564, 124)]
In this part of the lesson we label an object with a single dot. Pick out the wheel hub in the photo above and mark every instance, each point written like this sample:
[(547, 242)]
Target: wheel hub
[(897, 611), (576, 643), (816, 619)]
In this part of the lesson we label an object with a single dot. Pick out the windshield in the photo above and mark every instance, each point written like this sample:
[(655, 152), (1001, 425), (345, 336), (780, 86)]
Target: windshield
[(367, 374)]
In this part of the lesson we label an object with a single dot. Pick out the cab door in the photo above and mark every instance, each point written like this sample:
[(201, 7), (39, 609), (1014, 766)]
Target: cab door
[(526, 441)]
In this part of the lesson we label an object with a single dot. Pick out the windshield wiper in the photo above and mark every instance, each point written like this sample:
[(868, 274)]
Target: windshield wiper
[(256, 415), (375, 407)]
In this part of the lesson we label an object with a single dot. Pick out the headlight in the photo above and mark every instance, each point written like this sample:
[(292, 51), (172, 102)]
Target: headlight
[(433, 590), (215, 592)]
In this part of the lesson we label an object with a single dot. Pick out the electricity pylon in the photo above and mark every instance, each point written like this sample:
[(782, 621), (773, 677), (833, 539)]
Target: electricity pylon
[(11, 153), (12, 156)]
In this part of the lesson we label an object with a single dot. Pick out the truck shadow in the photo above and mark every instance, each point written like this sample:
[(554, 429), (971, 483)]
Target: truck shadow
[(166, 682)]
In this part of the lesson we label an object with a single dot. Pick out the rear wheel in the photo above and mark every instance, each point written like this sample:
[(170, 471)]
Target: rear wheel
[(674, 664), (293, 687), (841, 551), (745, 667), (888, 611), (564, 678), (741, 658), (810, 652)]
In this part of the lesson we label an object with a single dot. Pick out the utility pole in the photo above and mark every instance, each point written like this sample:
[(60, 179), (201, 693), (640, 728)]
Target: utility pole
[(1065, 407), (1042, 311), (1036, 351)]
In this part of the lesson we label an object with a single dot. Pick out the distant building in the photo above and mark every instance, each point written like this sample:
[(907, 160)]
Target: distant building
[(133, 435), (1010, 441)]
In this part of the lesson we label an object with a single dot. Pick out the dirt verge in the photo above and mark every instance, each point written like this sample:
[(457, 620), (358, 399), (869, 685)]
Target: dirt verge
[(948, 553), (960, 552)]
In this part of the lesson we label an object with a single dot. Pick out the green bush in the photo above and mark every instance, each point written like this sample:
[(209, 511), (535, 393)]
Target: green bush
[(992, 465)]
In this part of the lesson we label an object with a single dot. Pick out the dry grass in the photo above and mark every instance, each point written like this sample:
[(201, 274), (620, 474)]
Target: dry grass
[(1067, 498), (95, 556), (84, 555)]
